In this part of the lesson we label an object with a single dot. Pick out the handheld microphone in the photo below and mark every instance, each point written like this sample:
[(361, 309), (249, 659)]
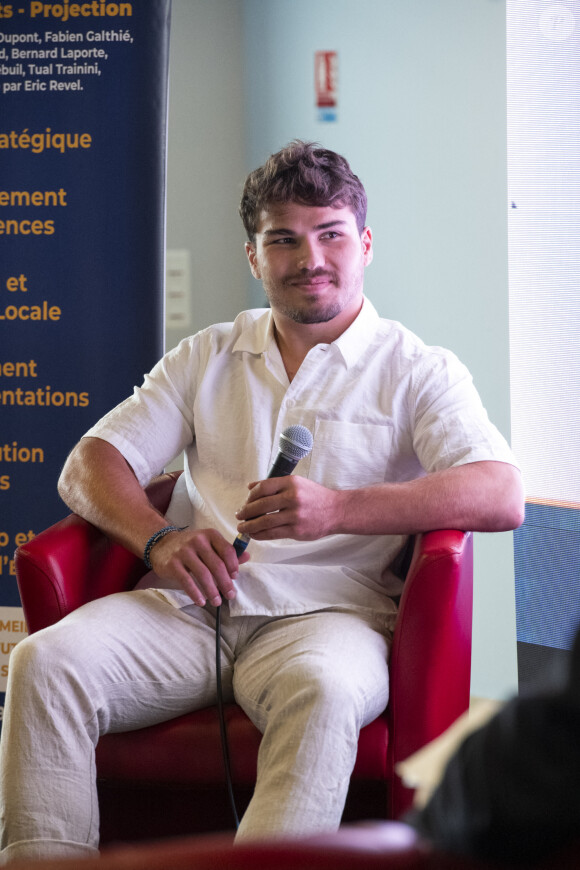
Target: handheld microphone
[(295, 443)]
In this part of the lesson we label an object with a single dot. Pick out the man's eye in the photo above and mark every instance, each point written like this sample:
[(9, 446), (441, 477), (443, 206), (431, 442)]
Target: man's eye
[(283, 240)]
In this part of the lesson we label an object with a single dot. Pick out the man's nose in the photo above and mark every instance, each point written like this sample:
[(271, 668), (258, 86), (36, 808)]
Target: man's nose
[(310, 255)]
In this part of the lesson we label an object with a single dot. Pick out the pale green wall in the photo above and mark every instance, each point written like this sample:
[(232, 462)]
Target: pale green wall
[(206, 162), (422, 120)]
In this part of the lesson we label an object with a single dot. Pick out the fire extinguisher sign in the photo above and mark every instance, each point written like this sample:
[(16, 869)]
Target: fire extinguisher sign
[(326, 84)]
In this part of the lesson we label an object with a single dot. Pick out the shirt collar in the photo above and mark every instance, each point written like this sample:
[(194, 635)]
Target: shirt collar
[(258, 335), (356, 339)]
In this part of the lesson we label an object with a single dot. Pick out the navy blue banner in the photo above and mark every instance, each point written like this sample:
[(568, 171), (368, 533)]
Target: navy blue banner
[(83, 104), (547, 556), (547, 582)]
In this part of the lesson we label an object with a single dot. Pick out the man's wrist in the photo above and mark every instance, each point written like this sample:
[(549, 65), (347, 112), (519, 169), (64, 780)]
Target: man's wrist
[(341, 512), (154, 539)]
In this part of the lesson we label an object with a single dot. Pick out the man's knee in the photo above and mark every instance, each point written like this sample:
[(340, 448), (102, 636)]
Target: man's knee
[(334, 692), (28, 659), (43, 659), (318, 688)]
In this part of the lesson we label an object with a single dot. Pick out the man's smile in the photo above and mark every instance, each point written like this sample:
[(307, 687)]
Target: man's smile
[(320, 280)]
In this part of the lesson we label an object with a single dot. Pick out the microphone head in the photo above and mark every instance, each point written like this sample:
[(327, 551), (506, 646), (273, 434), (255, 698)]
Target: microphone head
[(296, 442)]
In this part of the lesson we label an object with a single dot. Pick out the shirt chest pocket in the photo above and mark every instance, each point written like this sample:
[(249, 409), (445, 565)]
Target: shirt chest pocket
[(348, 455)]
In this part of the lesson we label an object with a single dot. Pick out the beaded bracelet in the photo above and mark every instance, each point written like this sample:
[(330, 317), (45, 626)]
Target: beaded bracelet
[(154, 539)]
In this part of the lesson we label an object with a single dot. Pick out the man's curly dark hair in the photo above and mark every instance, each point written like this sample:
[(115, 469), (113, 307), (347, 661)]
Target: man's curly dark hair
[(305, 173)]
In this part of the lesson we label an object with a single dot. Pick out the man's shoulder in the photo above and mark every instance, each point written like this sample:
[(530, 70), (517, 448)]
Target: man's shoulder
[(219, 335), (242, 321), (407, 344)]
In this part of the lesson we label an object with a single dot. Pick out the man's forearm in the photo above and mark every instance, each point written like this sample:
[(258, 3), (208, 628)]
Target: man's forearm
[(98, 484), (479, 496)]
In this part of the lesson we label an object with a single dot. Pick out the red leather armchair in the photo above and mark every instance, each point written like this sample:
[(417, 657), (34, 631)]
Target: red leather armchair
[(168, 779)]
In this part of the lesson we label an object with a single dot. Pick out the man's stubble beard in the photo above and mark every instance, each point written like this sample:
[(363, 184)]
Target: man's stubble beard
[(305, 314)]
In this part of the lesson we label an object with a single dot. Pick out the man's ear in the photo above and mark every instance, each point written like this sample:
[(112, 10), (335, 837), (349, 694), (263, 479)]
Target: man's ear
[(367, 245), (252, 259)]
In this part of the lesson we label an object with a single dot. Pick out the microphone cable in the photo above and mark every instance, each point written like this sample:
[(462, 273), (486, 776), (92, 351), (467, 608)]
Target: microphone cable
[(222, 721), (295, 443)]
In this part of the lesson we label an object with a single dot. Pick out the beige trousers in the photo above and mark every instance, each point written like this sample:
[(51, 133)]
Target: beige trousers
[(308, 682)]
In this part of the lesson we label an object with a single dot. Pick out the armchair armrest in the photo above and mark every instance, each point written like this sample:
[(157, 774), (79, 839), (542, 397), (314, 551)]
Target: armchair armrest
[(430, 664), (72, 562)]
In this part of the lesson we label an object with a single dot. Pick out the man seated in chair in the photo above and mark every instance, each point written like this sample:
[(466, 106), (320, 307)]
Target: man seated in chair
[(402, 444)]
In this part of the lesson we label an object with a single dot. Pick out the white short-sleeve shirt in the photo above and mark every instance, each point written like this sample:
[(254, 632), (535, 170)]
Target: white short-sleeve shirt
[(380, 404)]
